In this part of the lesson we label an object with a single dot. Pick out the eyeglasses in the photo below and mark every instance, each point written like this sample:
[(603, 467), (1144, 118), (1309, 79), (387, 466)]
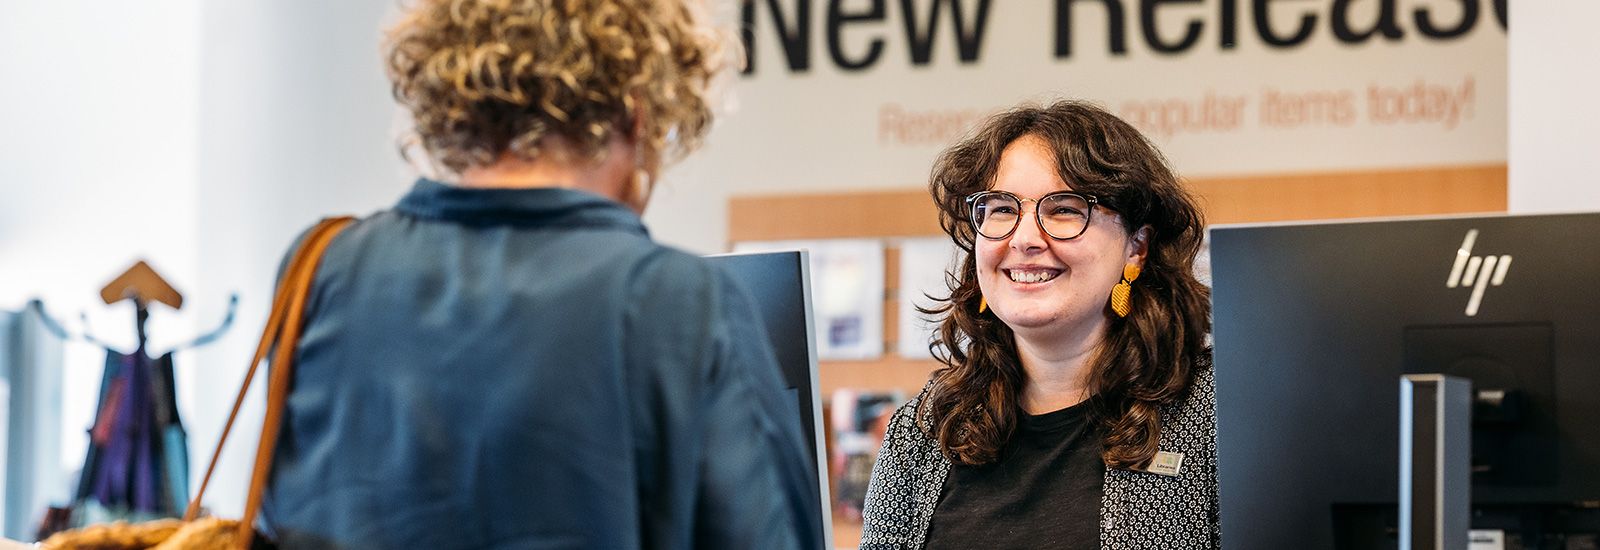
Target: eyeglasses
[(1063, 215)]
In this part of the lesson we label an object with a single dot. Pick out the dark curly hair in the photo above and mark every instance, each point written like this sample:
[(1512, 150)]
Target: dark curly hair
[(483, 78), (1147, 359)]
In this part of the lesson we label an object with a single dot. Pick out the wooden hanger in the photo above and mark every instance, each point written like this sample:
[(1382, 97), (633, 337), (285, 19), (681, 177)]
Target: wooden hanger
[(143, 285)]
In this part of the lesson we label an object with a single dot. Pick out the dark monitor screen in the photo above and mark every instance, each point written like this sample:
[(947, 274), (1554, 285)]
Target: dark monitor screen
[(1315, 324), (780, 284)]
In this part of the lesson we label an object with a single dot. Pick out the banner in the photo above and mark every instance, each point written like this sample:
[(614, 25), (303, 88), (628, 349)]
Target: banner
[(852, 94)]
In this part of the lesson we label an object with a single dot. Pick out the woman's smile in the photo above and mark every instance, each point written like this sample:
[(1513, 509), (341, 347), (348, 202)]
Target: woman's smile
[(1032, 275)]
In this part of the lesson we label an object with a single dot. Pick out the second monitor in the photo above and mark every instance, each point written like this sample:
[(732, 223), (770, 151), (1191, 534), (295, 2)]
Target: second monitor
[(1315, 324)]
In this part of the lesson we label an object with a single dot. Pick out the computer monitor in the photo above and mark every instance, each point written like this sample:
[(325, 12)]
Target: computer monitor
[(1314, 325), (780, 283)]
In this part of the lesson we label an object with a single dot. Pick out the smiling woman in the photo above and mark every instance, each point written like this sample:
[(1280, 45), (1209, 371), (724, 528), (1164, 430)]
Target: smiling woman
[(1061, 414)]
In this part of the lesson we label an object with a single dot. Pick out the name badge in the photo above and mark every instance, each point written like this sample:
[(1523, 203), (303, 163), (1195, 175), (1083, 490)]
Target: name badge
[(1165, 463)]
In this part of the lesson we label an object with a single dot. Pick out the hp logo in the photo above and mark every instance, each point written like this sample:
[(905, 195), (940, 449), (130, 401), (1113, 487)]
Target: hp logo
[(1477, 272)]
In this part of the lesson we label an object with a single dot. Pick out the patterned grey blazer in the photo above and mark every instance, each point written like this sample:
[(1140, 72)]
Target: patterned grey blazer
[(1139, 510)]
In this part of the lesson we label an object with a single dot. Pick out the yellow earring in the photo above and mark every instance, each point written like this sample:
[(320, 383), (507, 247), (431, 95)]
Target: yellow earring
[(983, 304), (1122, 294)]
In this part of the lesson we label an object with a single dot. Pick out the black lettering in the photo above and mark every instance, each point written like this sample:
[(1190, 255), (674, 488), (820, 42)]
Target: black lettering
[(968, 41), (1114, 31), (837, 19), (1469, 18), (1264, 27), (1229, 24), (1147, 23), (1500, 13), (796, 41), (1386, 22)]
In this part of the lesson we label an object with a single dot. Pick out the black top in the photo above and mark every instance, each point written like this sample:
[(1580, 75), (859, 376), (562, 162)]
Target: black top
[(1043, 492), (525, 368)]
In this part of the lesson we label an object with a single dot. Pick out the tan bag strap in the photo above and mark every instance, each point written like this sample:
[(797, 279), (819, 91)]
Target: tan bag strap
[(281, 335)]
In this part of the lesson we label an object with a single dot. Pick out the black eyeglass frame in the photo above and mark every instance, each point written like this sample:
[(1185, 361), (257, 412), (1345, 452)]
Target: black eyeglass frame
[(972, 213)]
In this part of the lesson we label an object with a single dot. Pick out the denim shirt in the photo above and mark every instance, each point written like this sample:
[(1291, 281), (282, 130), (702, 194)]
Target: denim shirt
[(527, 369)]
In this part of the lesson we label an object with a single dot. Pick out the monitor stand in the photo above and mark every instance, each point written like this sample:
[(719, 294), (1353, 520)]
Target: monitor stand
[(1435, 461)]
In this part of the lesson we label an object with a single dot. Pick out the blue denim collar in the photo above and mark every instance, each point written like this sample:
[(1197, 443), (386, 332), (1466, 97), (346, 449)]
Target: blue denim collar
[(540, 207)]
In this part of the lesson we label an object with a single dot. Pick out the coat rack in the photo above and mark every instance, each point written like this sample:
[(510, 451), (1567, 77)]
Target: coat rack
[(144, 286), (136, 467)]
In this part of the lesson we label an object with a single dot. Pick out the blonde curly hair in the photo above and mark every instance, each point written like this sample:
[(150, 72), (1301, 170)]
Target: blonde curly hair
[(485, 78)]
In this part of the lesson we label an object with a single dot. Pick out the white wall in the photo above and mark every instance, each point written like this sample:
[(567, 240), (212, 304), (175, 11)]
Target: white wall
[(99, 145), (295, 124), (1554, 134)]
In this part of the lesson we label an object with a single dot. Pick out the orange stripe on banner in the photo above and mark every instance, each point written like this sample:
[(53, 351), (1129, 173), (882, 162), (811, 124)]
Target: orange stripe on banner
[(849, 214), (1332, 195)]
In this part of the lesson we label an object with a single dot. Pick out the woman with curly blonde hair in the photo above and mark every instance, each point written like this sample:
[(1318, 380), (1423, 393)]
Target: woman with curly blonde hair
[(505, 359)]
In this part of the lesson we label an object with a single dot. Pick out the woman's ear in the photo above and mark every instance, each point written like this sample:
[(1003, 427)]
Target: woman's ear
[(636, 126), (1139, 245)]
